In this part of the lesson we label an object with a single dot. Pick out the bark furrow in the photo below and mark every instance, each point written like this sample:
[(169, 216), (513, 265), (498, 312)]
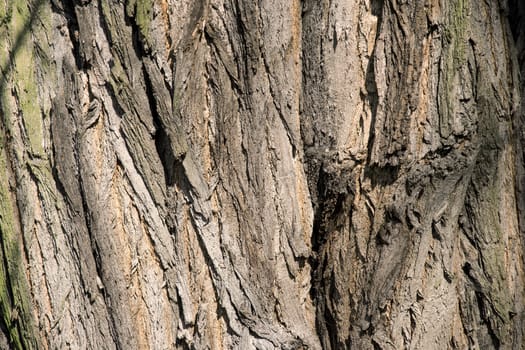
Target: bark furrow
[(230, 174)]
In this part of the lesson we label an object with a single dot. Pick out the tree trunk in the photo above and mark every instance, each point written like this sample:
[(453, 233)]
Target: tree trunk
[(236, 174)]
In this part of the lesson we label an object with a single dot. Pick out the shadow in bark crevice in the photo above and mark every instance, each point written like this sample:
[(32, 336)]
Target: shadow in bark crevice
[(331, 195), (68, 11), (372, 96), (516, 16)]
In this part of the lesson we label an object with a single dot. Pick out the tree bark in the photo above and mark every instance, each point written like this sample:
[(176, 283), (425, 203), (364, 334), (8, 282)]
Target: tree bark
[(233, 174)]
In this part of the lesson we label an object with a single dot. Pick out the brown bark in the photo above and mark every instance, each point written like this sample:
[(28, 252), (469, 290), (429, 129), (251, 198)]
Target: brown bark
[(232, 174)]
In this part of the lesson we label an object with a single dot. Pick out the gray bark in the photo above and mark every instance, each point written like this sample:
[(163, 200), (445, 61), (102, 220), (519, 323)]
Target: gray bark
[(231, 174)]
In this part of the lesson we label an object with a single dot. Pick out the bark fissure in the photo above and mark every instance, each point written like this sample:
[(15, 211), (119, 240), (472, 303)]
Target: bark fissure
[(231, 174)]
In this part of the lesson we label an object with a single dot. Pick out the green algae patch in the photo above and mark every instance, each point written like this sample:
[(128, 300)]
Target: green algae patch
[(142, 12), (458, 29), (454, 37), (6, 13), (15, 304), (25, 81), (20, 108), (143, 16)]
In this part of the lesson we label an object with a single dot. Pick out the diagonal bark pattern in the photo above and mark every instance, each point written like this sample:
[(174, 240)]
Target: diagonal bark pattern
[(235, 174)]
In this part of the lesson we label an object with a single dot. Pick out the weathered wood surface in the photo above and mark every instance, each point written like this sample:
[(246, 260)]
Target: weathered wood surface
[(235, 174)]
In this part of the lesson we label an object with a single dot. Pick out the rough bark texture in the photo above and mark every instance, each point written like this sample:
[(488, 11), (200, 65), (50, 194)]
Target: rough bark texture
[(238, 174)]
